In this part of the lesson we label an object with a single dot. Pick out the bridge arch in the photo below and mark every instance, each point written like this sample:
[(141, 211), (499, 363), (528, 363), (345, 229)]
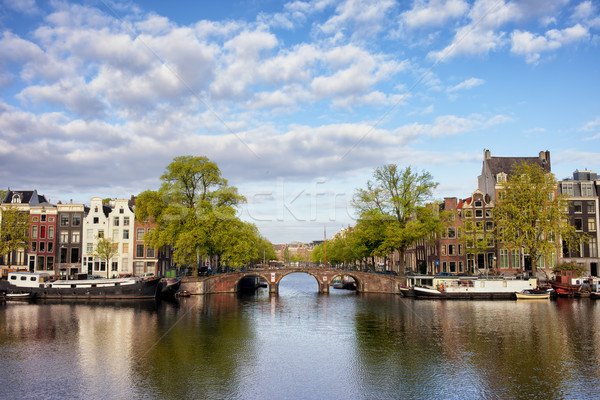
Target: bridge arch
[(229, 283)]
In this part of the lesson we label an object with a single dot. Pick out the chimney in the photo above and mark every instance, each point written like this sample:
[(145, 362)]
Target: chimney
[(486, 154)]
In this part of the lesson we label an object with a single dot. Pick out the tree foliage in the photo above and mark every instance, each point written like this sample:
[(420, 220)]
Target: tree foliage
[(529, 215), (195, 212), (105, 249), (14, 231), (393, 211)]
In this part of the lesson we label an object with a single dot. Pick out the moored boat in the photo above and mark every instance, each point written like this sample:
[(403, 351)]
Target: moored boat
[(42, 286), (24, 296), (169, 288), (532, 294), (472, 287)]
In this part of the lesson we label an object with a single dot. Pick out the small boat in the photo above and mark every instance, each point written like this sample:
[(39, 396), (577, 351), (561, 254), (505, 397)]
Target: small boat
[(184, 293), (169, 287), (532, 294), (421, 291), (20, 296)]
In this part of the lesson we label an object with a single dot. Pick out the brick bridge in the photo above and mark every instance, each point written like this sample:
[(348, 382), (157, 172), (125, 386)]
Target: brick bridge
[(229, 283)]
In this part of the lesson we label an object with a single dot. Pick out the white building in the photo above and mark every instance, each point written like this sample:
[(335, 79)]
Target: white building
[(113, 222)]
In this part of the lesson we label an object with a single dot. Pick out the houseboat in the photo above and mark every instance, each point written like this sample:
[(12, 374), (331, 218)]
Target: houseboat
[(43, 286), (467, 287)]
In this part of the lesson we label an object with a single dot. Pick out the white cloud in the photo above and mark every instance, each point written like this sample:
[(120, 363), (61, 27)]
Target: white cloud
[(363, 18), (532, 46), (433, 13), (592, 125), (466, 85)]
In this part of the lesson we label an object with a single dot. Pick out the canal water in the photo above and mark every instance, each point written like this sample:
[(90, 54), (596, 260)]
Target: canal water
[(301, 345)]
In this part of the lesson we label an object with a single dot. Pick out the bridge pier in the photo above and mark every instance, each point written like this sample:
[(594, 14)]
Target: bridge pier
[(273, 288), (324, 287)]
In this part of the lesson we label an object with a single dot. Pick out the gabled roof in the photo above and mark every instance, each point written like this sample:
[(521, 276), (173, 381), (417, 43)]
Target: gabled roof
[(30, 197), (496, 165)]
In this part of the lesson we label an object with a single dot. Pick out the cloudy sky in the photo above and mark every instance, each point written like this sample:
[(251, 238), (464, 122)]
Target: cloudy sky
[(297, 102)]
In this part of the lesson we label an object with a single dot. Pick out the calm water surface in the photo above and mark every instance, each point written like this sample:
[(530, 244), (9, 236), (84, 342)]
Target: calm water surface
[(301, 345)]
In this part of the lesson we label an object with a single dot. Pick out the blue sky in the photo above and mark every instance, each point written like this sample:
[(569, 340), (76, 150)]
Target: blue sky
[(297, 102)]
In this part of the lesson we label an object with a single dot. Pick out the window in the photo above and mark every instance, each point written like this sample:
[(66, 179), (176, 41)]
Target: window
[(100, 234), (49, 263), (139, 250), (478, 204), (76, 220), (503, 258), (116, 221), (40, 262), (75, 255), (488, 213), (578, 223), (43, 218), (125, 265), (51, 219), (64, 236), (34, 232), (591, 224), (115, 234), (489, 226), (591, 207), (140, 234), (567, 188), (64, 220), (453, 266), (586, 189), (75, 237), (96, 220), (63, 255), (451, 249), (138, 268), (89, 234), (50, 247), (90, 248), (125, 221), (50, 232), (593, 247), (515, 258), (478, 213), (114, 266), (577, 206), (35, 219), (121, 211), (125, 233), (33, 246), (150, 252), (460, 250), (42, 232), (125, 248), (490, 260), (451, 233), (42, 247)]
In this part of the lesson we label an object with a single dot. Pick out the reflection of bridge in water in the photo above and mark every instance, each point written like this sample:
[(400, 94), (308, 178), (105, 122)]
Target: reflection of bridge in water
[(366, 282)]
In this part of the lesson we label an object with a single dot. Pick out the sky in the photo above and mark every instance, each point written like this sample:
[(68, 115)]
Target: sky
[(297, 102)]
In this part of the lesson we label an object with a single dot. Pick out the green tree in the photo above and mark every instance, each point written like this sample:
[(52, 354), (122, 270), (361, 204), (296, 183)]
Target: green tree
[(396, 198), (105, 249), (529, 215), (194, 209), (14, 231)]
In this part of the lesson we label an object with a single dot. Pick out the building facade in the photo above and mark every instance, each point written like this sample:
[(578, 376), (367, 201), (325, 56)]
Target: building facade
[(582, 192)]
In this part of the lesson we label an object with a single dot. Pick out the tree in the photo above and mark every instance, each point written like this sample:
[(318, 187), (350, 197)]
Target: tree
[(105, 249), (396, 199), (529, 215), (14, 231), (194, 209)]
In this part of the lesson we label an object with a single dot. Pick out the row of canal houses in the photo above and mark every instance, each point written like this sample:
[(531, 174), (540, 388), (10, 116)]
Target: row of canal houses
[(450, 254), (63, 237)]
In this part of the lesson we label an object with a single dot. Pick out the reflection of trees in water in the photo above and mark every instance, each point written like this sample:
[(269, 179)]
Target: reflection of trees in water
[(478, 348), (196, 349)]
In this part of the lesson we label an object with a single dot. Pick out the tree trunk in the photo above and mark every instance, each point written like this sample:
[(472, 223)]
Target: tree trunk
[(401, 253)]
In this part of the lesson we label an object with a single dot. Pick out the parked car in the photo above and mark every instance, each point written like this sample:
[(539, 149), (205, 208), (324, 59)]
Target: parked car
[(205, 271)]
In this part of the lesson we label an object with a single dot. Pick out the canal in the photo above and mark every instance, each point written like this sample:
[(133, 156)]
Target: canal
[(301, 345)]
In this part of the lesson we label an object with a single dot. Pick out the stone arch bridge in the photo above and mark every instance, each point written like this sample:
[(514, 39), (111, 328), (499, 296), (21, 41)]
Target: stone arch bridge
[(229, 283)]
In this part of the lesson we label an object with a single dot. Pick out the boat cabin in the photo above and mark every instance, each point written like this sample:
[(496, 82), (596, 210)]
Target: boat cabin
[(28, 279)]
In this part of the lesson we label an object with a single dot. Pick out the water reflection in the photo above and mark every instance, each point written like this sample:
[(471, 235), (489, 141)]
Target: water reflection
[(301, 344)]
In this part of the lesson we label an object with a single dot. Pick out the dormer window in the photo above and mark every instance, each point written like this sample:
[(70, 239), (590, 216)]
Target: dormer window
[(16, 198), (501, 177)]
